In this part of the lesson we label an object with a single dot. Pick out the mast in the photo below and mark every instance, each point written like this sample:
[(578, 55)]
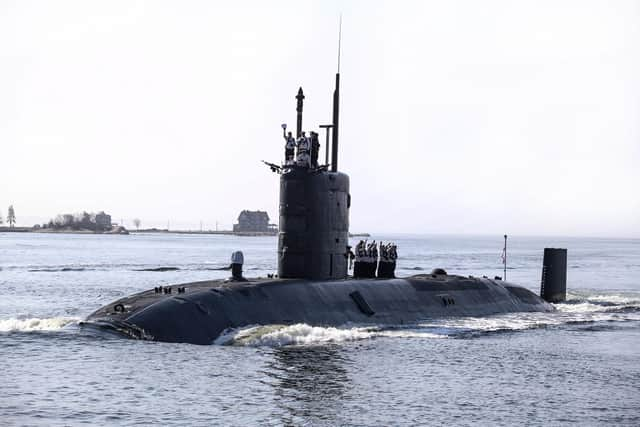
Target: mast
[(299, 98), (336, 108), (336, 113)]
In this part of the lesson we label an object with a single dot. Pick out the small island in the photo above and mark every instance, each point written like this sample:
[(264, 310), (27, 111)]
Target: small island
[(82, 223)]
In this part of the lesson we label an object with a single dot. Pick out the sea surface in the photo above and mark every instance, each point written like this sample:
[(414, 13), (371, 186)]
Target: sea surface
[(577, 366)]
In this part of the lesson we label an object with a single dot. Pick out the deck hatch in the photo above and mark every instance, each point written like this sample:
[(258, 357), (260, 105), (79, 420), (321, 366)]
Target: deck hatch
[(362, 304)]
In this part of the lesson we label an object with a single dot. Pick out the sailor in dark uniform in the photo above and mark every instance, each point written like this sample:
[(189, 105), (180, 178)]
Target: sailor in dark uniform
[(315, 148), (393, 256), (373, 259), (383, 261), (358, 266), (350, 256), (387, 264)]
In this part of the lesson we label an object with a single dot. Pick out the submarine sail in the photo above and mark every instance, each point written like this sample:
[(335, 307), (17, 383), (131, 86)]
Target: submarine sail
[(314, 207)]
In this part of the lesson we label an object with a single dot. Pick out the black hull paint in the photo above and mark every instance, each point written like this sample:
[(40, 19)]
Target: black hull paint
[(207, 309)]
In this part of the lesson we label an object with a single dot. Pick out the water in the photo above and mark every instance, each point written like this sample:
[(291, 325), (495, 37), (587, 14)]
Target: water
[(580, 365)]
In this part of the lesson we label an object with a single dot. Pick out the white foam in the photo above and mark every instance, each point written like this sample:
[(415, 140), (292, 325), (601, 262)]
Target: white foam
[(583, 307), (617, 299), (279, 335), (508, 322), (609, 298), (303, 334), (35, 324)]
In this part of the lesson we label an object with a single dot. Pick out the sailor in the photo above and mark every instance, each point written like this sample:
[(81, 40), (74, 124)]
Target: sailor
[(350, 257), (386, 266), (393, 255), (289, 147), (366, 260), (358, 267), (373, 253), (315, 148), (382, 262), (302, 157)]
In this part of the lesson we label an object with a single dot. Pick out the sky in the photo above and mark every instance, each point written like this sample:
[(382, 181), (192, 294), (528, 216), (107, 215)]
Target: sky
[(457, 117)]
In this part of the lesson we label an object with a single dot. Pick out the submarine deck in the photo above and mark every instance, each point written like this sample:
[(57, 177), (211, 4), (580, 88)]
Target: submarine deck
[(206, 308)]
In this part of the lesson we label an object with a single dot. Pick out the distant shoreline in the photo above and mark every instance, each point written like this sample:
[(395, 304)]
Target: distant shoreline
[(125, 232), (222, 232), (120, 231), (152, 231)]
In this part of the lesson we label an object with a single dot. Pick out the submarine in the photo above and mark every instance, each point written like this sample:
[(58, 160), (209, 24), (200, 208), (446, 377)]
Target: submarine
[(312, 284)]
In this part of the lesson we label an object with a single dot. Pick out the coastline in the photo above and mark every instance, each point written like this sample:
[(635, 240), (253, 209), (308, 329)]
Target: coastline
[(60, 231), (151, 230)]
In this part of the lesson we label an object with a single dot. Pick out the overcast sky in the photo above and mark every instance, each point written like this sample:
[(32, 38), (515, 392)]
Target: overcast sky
[(456, 116)]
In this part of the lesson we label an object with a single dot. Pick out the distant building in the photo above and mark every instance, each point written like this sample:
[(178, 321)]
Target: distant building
[(252, 221), (103, 221)]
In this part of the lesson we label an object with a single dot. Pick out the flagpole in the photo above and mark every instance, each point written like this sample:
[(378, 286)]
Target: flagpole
[(505, 257)]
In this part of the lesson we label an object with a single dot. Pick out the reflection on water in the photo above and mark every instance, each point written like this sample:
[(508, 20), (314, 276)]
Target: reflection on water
[(310, 382)]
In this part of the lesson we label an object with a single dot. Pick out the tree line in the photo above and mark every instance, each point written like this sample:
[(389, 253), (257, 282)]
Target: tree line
[(81, 221)]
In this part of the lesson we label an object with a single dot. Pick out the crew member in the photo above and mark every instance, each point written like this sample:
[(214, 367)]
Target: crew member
[(393, 256), (349, 255), (373, 259), (302, 157), (386, 265), (358, 267), (289, 147), (315, 148)]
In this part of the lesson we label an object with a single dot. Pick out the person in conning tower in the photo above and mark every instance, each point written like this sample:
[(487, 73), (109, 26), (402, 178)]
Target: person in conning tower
[(315, 148), (289, 147), (302, 158)]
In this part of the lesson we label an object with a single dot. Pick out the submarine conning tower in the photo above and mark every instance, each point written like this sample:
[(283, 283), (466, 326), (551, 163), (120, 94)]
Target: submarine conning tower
[(314, 206)]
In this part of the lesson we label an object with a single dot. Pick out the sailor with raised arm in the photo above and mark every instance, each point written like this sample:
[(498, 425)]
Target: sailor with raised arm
[(289, 147)]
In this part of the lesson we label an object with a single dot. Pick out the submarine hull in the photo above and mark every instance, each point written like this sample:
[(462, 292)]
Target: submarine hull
[(207, 309)]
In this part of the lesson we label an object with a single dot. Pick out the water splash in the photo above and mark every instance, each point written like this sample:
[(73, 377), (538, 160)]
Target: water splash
[(35, 324), (298, 334)]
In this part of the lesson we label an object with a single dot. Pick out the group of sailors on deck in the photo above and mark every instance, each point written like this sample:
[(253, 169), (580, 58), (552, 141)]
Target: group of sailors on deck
[(374, 260), (302, 151)]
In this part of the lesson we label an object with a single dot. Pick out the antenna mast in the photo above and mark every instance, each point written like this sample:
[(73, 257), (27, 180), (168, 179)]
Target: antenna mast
[(336, 107)]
